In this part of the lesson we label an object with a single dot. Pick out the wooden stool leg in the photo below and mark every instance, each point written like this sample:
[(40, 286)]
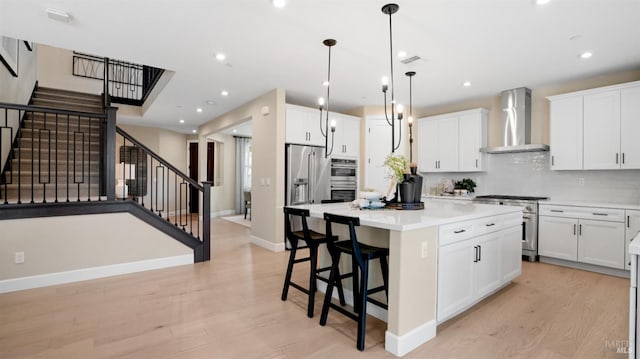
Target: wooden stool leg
[(362, 315), (335, 260), (287, 277), (313, 254), (355, 285), (385, 274)]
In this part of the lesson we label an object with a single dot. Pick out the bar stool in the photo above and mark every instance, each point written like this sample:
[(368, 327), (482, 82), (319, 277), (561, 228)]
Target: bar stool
[(360, 254), (312, 240)]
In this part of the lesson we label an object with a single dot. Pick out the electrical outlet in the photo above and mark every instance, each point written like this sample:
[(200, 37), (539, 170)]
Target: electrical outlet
[(425, 249), (581, 181), (19, 257)]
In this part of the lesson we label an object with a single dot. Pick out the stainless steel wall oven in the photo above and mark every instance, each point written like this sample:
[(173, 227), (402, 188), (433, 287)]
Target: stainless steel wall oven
[(344, 179)]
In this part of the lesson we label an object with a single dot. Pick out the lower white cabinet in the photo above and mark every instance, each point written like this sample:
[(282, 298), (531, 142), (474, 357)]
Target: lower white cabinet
[(601, 243), (582, 234), (632, 227), (475, 266), (558, 237)]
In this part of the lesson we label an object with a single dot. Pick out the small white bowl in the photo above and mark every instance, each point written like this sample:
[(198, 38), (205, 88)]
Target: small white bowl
[(370, 195)]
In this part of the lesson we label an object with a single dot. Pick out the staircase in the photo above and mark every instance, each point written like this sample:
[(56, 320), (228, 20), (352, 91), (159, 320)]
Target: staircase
[(56, 155)]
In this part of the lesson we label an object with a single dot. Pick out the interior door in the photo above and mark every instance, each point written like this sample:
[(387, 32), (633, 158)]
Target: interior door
[(378, 147), (193, 174)]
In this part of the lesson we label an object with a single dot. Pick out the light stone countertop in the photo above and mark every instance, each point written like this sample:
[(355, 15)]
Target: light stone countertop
[(435, 213), (591, 204)]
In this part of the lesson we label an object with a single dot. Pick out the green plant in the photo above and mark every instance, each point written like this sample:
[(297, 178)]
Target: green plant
[(397, 167), (466, 183)]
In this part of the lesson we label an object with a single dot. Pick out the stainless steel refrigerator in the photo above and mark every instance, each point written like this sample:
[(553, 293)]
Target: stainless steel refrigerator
[(307, 175)]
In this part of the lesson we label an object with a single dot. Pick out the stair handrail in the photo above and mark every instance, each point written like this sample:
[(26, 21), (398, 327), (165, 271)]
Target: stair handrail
[(157, 157)]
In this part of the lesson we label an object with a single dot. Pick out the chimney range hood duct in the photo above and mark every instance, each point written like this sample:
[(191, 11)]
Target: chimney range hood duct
[(516, 123)]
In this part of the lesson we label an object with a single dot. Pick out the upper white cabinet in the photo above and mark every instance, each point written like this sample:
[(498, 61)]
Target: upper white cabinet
[(303, 126), (452, 142), (594, 129), (347, 136), (566, 133)]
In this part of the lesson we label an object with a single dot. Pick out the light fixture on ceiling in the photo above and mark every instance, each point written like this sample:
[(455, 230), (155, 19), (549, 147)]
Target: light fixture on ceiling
[(181, 121), (402, 54), (279, 3), (58, 15), (586, 55), (199, 109), (542, 2), (194, 131), (220, 56), (466, 84), (321, 103), (410, 74), (210, 102), (234, 130), (224, 93), (390, 9)]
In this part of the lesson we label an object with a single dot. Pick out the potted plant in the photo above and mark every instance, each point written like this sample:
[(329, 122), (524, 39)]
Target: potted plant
[(465, 186), (399, 172)]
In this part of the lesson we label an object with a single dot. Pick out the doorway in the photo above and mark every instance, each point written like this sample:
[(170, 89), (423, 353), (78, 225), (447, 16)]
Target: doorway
[(194, 198), (378, 147)]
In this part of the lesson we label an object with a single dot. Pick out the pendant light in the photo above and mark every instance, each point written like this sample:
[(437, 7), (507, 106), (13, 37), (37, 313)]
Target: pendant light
[(410, 74), (322, 103), (390, 9)]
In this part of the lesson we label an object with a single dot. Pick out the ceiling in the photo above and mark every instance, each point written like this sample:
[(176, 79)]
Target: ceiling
[(494, 44)]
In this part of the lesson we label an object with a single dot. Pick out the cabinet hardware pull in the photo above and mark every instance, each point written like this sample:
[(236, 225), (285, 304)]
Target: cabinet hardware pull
[(475, 259), (557, 210), (436, 164), (526, 217), (622, 157), (479, 253), (476, 163), (580, 230), (552, 160), (628, 221), (490, 224), (617, 154), (574, 229), (601, 214), (460, 231)]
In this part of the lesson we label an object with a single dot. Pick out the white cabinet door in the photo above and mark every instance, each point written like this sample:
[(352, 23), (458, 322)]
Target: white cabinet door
[(448, 144), (427, 145), (313, 127), (455, 278), (601, 243), (632, 227), (470, 142), (566, 133), (602, 130), (511, 253), (351, 137), (630, 127), (488, 276), (558, 237), (296, 126)]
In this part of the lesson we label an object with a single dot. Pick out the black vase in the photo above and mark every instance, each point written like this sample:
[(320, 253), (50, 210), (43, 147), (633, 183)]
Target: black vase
[(406, 192), (417, 188)]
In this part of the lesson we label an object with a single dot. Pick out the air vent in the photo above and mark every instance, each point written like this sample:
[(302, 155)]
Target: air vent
[(409, 60)]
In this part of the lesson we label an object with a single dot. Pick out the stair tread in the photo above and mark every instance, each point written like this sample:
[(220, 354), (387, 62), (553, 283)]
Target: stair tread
[(67, 101), (44, 89)]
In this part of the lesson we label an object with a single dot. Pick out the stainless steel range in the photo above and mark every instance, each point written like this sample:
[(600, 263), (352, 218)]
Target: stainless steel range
[(529, 219)]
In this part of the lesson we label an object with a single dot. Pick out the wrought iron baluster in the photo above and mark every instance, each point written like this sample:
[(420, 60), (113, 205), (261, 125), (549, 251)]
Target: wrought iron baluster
[(67, 153), (89, 163), (56, 159)]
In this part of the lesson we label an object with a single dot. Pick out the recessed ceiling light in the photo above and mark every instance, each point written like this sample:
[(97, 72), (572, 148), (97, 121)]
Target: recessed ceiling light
[(279, 3), (466, 84), (194, 131), (234, 131), (181, 121), (586, 55), (220, 56), (58, 15), (542, 2), (402, 54), (325, 83), (210, 102), (199, 109), (224, 93)]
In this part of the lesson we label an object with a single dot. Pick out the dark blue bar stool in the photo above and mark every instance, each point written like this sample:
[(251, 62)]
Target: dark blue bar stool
[(312, 240), (360, 254)]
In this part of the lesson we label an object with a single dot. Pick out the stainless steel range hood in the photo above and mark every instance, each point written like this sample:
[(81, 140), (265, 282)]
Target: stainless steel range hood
[(516, 123)]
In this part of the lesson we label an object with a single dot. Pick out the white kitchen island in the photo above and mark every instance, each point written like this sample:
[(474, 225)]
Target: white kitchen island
[(442, 260)]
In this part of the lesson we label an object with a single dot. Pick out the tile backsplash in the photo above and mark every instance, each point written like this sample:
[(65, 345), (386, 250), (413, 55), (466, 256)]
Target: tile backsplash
[(528, 174)]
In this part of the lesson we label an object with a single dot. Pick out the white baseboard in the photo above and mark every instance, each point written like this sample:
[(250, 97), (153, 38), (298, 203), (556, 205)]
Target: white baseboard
[(44, 280), (274, 247), (402, 345), (372, 309), (223, 213)]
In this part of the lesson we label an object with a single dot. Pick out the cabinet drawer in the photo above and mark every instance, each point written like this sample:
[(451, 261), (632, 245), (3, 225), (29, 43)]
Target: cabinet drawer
[(596, 213), (454, 232)]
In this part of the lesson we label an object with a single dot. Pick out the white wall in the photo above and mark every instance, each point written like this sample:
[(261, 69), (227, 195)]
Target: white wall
[(267, 187), (57, 244), (16, 90)]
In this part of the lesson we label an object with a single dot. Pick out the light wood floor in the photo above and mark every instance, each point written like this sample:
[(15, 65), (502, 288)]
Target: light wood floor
[(230, 307)]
